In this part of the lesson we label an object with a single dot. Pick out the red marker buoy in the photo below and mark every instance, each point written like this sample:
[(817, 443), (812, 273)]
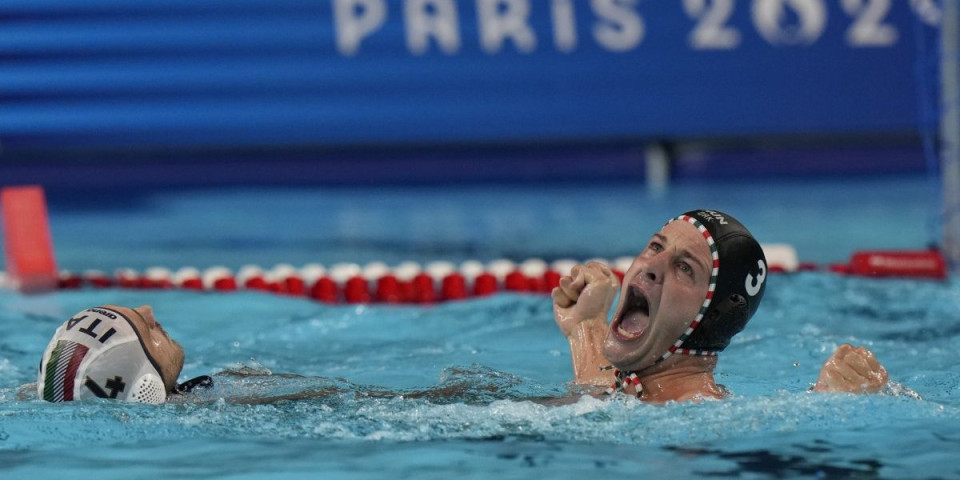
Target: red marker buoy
[(356, 290), (251, 277), (388, 289), (407, 294), (69, 280), (536, 284), (225, 284), (422, 289), (158, 277), (97, 278), (899, 263), (324, 290), (294, 285), (277, 286), (485, 284), (128, 278), (516, 281), (219, 278), (310, 273), (256, 283), (453, 287), (551, 280), (533, 270)]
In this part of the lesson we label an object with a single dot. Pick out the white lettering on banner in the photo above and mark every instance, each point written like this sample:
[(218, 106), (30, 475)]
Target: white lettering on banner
[(769, 17), (356, 19), (564, 25), (868, 29), (437, 19), (623, 28), (929, 11), (616, 25), (503, 19), (711, 31)]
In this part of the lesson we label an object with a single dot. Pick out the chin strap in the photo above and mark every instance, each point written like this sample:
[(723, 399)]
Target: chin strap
[(203, 381), (621, 379)]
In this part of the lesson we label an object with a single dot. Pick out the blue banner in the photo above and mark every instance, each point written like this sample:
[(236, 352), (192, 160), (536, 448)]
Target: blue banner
[(214, 73)]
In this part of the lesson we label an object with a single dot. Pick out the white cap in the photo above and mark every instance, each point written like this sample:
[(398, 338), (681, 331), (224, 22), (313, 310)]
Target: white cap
[(99, 354)]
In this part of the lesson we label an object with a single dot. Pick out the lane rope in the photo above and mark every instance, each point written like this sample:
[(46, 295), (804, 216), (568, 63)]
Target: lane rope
[(439, 281), (351, 283)]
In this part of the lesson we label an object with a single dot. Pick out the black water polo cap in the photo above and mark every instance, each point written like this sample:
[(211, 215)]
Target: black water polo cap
[(736, 286)]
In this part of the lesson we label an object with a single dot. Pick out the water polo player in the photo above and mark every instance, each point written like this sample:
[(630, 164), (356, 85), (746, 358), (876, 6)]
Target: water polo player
[(112, 352), (692, 288)]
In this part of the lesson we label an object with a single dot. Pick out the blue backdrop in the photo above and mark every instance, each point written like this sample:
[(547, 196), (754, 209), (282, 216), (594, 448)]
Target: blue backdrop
[(211, 73)]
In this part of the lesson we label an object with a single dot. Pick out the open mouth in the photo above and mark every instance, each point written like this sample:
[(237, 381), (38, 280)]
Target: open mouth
[(634, 317)]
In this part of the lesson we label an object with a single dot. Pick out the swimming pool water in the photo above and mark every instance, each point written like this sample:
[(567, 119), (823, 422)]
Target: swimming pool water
[(825, 220), (481, 361)]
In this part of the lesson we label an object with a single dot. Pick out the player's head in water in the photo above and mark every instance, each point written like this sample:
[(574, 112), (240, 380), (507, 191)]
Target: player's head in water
[(692, 288), (110, 352)]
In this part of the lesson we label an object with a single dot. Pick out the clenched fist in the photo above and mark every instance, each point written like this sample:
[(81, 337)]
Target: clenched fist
[(852, 370), (586, 294)]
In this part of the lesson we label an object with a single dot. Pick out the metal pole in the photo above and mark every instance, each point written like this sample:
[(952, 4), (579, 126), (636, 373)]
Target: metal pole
[(658, 169), (950, 126)]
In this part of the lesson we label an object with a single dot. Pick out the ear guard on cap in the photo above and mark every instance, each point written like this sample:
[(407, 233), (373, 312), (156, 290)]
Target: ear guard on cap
[(725, 320), (99, 354), (149, 389)]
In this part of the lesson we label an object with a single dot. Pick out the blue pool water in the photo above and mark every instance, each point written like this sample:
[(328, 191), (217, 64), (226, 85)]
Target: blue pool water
[(446, 390)]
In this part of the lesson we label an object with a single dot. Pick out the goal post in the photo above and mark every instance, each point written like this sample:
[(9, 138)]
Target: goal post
[(950, 127)]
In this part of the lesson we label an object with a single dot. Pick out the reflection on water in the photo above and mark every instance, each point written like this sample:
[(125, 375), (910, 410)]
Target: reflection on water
[(781, 465)]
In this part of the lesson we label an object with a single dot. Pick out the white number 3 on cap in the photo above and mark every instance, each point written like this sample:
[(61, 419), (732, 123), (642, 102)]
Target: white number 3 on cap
[(753, 284)]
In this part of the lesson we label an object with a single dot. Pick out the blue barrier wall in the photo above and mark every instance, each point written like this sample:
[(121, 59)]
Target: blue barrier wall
[(242, 73)]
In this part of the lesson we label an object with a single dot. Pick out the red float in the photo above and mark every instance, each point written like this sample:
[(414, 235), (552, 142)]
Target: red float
[(899, 263)]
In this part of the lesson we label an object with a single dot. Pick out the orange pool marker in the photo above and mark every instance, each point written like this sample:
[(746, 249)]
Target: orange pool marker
[(28, 247)]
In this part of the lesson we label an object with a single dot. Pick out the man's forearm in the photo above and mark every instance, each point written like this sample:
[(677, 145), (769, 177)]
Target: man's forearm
[(586, 350)]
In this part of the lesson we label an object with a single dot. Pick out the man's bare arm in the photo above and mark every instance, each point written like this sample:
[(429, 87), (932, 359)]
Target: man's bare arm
[(580, 306)]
